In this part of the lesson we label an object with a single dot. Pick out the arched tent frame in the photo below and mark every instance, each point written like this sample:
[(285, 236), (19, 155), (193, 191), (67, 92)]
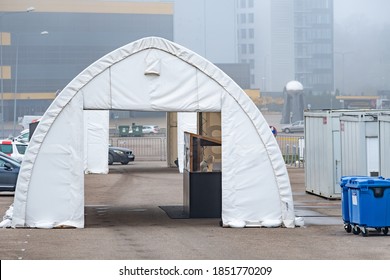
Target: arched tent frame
[(153, 74)]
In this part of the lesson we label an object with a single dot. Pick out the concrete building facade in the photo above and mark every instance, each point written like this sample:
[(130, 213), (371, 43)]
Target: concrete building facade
[(285, 40), (313, 27)]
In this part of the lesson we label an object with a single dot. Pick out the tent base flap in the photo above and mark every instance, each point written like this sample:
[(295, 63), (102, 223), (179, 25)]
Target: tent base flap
[(7, 218), (49, 225), (297, 222)]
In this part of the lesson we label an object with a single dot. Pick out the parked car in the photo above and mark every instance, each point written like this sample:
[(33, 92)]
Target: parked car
[(150, 129), (13, 149), (23, 136), (297, 126), (9, 171), (119, 154)]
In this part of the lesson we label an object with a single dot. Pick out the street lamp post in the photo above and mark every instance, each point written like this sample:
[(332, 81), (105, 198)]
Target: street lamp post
[(28, 10)]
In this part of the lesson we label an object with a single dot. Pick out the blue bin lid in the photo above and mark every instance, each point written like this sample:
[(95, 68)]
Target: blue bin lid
[(347, 179), (364, 183)]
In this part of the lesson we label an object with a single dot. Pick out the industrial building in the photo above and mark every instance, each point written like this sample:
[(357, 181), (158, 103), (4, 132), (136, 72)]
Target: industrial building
[(44, 47)]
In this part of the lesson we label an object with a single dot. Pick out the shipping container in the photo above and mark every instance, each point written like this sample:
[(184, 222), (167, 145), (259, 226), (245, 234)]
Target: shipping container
[(359, 143), (342, 143), (323, 153)]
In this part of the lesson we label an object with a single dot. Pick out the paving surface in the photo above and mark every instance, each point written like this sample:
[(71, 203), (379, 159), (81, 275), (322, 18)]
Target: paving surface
[(123, 220)]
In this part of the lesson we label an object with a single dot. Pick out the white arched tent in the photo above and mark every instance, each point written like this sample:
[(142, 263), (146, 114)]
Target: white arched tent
[(153, 74)]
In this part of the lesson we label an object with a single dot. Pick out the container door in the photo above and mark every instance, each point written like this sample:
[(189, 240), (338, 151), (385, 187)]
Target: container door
[(372, 156)]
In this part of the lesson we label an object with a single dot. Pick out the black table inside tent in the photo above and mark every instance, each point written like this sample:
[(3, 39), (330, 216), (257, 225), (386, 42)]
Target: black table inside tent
[(202, 190)]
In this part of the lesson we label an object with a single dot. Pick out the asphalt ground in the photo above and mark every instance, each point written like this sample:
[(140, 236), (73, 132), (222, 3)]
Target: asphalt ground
[(124, 221)]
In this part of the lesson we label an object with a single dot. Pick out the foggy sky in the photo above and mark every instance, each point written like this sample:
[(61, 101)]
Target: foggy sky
[(376, 11), (362, 46)]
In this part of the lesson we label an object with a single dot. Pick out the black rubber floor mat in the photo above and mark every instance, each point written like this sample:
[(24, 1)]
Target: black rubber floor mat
[(175, 212)]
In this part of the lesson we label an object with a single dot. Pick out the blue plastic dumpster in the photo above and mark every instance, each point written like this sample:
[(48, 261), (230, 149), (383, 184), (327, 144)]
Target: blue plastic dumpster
[(344, 199), (369, 205)]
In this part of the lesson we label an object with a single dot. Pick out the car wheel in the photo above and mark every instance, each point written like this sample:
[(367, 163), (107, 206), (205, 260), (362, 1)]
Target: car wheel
[(287, 130), (110, 160), (124, 162)]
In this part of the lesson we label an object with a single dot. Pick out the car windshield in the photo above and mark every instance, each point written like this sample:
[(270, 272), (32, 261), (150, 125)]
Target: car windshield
[(21, 148), (25, 136)]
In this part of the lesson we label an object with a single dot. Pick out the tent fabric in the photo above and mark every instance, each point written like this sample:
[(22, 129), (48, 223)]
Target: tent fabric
[(96, 141), (153, 74)]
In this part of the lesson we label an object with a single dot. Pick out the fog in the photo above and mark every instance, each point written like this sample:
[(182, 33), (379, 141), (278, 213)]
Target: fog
[(362, 40), (374, 11)]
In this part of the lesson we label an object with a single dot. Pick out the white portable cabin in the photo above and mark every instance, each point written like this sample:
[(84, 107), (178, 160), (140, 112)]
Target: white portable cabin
[(359, 143), (343, 143), (323, 153)]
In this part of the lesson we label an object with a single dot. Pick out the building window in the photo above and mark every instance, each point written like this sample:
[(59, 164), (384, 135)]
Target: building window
[(243, 33), (251, 18), (250, 3), (251, 48), (322, 19), (251, 33), (243, 49), (243, 4), (243, 18)]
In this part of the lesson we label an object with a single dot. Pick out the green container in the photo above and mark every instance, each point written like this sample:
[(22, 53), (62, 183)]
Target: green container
[(124, 130), (137, 130)]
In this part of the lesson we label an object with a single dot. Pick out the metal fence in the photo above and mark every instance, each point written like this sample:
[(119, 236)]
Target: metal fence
[(293, 149), (144, 148), (155, 148)]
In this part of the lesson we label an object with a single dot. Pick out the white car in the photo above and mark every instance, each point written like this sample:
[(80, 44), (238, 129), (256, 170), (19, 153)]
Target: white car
[(13, 149), (150, 129), (23, 136), (298, 126)]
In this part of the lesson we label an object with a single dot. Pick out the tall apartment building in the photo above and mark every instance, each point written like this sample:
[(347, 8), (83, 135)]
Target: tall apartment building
[(265, 39), (283, 40), (313, 27), (209, 28)]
